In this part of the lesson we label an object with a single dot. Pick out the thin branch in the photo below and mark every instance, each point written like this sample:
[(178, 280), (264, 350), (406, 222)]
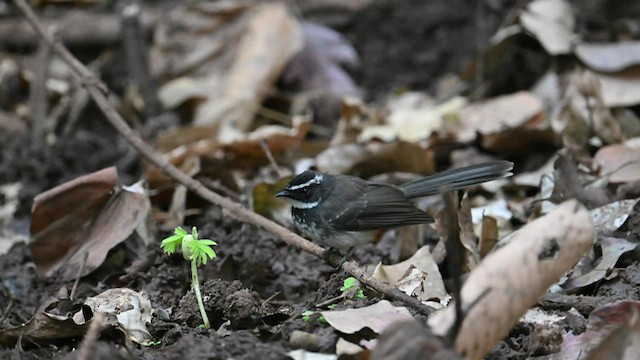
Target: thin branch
[(99, 93), (38, 101)]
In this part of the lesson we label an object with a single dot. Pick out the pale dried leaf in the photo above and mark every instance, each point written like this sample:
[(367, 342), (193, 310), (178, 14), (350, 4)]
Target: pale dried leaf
[(375, 317), (610, 217), (495, 117), (552, 22), (432, 285), (413, 116), (618, 163), (125, 309), (609, 57), (621, 88)]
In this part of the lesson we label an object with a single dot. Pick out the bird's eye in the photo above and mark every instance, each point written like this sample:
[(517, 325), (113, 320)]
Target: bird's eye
[(305, 191)]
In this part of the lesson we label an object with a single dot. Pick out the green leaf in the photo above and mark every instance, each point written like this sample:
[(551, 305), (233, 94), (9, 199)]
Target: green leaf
[(201, 251), (170, 244), (348, 283), (361, 295), (306, 316), (198, 251)]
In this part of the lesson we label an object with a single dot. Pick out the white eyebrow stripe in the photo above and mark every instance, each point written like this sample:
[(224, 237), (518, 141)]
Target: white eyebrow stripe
[(316, 179)]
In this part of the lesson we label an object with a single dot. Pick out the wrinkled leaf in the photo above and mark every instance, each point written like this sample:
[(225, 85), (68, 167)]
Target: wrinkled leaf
[(44, 328), (609, 218), (430, 285), (612, 249), (126, 310)]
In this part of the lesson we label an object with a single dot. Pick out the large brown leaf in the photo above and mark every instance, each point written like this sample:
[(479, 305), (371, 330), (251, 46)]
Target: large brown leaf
[(88, 215)]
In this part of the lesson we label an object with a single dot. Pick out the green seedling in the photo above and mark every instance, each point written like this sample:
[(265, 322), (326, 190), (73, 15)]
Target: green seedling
[(351, 284), (195, 250), (307, 316)]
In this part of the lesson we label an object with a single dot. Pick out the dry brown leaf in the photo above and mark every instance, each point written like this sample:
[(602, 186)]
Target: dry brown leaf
[(375, 158), (570, 182), (612, 249), (613, 332), (44, 328), (241, 153), (229, 80), (513, 123), (468, 237), (618, 163), (85, 217), (488, 236), (511, 279)]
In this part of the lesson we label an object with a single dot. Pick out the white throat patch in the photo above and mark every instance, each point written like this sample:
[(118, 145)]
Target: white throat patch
[(316, 180), (303, 205)]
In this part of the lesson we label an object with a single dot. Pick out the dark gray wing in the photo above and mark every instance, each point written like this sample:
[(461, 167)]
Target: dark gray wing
[(376, 206)]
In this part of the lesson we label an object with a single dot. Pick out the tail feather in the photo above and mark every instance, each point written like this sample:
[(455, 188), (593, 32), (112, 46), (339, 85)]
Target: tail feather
[(457, 179)]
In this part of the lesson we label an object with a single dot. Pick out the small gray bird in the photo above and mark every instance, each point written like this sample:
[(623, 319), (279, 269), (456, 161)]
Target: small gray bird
[(341, 211)]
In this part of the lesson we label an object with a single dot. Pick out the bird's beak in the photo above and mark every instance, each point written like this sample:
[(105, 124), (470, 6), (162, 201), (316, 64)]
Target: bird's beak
[(282, 193)]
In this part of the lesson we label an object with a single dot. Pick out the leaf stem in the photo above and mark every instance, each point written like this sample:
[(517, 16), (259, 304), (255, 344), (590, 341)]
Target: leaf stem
[(196, 288)]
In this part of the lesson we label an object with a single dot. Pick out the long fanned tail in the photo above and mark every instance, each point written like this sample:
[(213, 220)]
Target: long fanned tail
[(457, 179)]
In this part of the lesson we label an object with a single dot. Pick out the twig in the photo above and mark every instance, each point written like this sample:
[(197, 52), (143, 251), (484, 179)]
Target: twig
[(79, 275), (86, 348), (135, 49), (6, 310), (38, 96), (265, 147), (99, 92), (455, 255)]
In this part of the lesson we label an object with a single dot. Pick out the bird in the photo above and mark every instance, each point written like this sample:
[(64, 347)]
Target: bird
[(343, 211)]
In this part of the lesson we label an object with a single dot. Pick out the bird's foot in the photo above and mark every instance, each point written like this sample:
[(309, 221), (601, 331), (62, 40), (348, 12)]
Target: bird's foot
[(333, 257)]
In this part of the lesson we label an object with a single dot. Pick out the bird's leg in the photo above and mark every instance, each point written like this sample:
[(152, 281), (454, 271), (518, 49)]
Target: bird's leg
[(331, 254)]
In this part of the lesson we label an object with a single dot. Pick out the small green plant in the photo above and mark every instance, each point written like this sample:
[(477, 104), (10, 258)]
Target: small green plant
[(195, 250), (308, 315), (351, 284)]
